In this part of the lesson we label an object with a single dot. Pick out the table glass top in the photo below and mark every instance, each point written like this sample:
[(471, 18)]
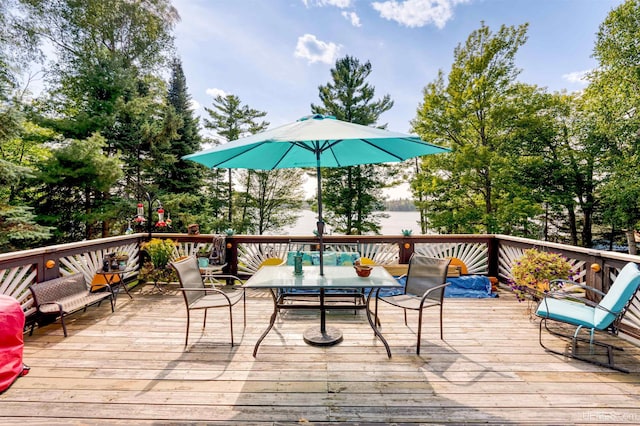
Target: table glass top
[(334, 277)]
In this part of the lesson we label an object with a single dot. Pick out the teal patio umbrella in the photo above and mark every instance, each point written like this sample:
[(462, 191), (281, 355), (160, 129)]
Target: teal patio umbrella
[(315, 141)]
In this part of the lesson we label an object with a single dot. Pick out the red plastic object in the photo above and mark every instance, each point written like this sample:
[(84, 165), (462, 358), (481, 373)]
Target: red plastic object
[(11, 343)]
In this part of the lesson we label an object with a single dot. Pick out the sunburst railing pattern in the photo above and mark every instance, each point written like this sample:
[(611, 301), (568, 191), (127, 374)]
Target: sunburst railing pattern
[(473, 255)]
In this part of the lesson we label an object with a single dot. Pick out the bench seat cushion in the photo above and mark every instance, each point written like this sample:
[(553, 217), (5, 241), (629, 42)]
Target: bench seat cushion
[(73, 303)]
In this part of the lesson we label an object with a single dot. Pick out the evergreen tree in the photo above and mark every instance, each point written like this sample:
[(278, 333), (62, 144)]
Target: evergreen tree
[(232, 120), (351, 194), (182, 176), (76, 178)]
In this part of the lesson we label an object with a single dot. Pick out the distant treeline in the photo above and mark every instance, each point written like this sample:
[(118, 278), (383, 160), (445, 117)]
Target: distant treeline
[(401, 205)]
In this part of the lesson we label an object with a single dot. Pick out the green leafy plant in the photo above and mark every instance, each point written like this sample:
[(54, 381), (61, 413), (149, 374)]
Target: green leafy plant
[(535, 269), (160, 252), (203, 251)]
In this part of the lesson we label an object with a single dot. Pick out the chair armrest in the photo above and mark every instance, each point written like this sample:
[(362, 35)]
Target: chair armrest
[(575, 284), (217, 276), (210, 290), (438, 287), (205, 290), (51, 303)]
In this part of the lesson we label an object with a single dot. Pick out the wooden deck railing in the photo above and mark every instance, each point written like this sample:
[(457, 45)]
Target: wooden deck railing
[(491, 255)]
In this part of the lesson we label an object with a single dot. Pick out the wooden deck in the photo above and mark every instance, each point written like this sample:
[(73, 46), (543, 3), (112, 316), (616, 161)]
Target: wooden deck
[(130, 367)]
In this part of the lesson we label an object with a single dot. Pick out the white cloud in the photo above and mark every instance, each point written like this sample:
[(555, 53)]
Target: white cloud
[(353, 17), (216, 92), (314, 50), (579, 77), (195, 105), (342, 4), (417, 13)]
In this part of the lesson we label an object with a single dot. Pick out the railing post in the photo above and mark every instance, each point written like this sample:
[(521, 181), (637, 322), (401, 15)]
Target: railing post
[(48, 267), (406, 248), (493, 256), (232, 255), (595, 273)]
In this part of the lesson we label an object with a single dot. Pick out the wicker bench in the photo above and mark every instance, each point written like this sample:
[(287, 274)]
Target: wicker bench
[(63, 296)]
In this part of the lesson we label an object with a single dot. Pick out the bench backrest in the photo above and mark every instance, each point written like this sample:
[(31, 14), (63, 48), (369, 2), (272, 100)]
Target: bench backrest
[(58, 288)]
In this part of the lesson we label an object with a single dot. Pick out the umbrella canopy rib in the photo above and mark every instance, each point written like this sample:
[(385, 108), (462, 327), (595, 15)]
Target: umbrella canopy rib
[(383, 150), (239, 154), (283, 156)]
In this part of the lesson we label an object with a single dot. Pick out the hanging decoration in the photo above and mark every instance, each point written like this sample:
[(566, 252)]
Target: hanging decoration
[(161, 222), (140, 214)]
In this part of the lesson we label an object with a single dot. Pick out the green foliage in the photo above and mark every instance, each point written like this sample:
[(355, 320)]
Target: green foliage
[(232, 120), (181, 175), (475, 113), (352, 194), (534, 270), (612, 102), (160, 251), (19, 230), (273, 199), (76, 179)]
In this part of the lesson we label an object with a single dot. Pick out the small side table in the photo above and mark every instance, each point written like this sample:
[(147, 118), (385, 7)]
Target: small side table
[(110, 278)]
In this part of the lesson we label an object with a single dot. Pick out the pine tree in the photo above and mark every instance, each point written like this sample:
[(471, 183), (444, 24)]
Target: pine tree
[(351, 194), (232, 120), (182, 176)]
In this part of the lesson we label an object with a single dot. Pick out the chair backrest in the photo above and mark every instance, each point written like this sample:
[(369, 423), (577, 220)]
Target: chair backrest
[(189, 277), (618, 296), (425, 273)]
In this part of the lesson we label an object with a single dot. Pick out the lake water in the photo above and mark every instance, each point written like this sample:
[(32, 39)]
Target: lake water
[(393, 225)]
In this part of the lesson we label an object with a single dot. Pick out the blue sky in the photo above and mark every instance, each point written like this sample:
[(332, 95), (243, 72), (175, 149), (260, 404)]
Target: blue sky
[(273, 54)]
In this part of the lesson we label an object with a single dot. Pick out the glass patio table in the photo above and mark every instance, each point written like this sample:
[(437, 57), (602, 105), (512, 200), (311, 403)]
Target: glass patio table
[(279, 279)]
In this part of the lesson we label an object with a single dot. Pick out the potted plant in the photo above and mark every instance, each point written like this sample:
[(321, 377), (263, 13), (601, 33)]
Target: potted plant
[(160, 252), (534, 270), (122, 258), (203, 256)]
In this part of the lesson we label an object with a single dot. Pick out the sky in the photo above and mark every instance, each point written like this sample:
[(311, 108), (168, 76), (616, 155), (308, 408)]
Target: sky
[(273, 54)]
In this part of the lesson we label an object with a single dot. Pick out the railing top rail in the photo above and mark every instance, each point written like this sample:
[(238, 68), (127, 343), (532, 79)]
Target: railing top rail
[(572, 249)]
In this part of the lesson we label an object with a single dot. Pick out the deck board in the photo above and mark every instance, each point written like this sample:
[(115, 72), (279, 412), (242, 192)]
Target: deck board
[(131, 367)]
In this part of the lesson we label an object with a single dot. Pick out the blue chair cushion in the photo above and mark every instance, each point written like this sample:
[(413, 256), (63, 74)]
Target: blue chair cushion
[(622, 289), (567, 311)]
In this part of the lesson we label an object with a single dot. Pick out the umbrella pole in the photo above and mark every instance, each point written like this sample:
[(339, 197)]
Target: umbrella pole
[(320, 224), (322, 336)]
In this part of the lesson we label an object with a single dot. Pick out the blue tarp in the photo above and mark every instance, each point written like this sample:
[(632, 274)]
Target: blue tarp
[(466, 286)]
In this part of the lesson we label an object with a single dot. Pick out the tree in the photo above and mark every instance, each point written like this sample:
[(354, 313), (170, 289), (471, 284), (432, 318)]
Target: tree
[(182, 176), (274, 199), (18, 227), (615, 94), (76, 178), (351, 194), (18, 47), (232, 120), (103, 80), (473, 115)]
